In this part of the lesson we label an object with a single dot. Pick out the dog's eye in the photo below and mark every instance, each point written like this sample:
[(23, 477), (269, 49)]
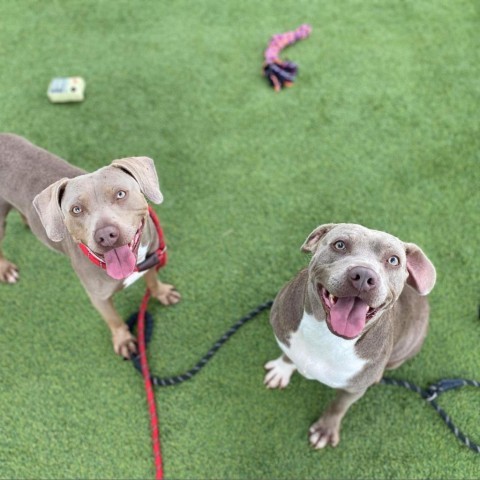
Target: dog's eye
[(394, 261), (340, 245), (76, 210), (121, 194)]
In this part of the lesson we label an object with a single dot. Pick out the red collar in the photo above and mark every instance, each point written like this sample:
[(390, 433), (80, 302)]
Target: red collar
[(156, 259)]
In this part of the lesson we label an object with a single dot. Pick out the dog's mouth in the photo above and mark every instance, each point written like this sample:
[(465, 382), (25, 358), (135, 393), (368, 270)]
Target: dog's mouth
[(346, 316), (120, 262)]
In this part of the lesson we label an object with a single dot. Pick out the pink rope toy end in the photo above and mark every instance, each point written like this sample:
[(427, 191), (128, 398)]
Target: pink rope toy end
[(282, 73)]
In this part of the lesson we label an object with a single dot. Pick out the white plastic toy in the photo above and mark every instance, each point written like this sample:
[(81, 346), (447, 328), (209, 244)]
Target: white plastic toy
[(66, 89)]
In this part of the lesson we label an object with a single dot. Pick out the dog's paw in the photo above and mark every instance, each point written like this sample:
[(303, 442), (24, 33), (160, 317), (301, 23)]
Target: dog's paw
[(124, 343), (167, 294), (8, 272), (278, 373), (325, 431)]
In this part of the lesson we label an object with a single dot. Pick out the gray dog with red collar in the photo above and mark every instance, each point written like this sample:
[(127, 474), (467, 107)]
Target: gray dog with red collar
[(104, 212), (358, 309)]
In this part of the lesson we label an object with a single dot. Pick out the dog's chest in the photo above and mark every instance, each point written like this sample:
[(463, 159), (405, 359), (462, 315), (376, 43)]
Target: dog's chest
[(320, 355)]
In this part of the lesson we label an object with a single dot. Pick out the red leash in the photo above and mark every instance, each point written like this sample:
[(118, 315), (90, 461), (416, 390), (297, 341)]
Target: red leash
[(152, 409), (161, 258)]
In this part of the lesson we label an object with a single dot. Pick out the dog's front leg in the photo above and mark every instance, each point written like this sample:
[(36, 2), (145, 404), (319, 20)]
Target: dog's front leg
[(166, 294), (326, 430), (124, 342)]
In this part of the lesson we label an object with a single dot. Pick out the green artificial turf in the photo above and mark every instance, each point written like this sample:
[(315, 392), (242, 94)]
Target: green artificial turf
[(381, 128)]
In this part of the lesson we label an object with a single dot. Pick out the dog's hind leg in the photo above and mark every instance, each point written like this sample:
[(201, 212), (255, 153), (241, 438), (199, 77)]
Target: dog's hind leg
[(8, 271)]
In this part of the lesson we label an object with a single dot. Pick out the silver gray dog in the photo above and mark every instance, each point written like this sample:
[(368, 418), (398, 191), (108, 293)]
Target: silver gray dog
[(358, 309), (105, 212)]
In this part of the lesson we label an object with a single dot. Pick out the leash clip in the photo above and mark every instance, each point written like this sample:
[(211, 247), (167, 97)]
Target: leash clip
[(442, 386), (433, 392)]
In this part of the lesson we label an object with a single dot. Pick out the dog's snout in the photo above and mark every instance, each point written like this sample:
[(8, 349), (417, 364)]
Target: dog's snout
[(363, 279), (107, 236)]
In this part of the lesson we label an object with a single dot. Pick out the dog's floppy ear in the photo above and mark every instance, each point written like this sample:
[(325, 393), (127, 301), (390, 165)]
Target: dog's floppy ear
[(311, 243), (47, 205), (142, 169), (421, 272)]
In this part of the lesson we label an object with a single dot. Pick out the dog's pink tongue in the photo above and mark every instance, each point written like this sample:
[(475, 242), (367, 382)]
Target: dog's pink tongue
[(348, 316), (120, 262)]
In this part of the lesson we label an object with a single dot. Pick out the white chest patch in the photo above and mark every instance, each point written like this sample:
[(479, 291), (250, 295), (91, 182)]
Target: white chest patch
[(142, 254), (320, 355)]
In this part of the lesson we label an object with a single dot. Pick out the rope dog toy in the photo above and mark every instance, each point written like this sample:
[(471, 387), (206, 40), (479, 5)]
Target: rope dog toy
[(282, 73)]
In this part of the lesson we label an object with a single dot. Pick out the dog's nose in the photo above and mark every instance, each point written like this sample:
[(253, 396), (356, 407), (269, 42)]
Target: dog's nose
[(107, 236), (363, 279)]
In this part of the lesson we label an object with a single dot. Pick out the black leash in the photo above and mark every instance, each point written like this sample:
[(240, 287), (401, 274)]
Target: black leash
[(429, 395), (175, 380), (432, 393)]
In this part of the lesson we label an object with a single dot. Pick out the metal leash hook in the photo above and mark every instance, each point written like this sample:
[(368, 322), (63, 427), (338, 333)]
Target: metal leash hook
[(451, 383)]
